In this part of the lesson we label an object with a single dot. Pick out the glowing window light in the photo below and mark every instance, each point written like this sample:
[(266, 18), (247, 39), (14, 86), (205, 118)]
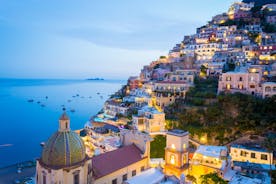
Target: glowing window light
[(172, 159), (173, 146)]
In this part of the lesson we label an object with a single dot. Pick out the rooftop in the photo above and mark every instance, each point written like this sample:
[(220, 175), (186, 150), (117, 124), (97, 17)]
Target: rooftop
[(249, 147), (150, 176), (178, 132), (253, 166), (112, 161), (211, 151)]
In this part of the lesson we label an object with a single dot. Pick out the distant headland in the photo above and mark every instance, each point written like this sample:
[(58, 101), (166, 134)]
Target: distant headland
[(95, 78)]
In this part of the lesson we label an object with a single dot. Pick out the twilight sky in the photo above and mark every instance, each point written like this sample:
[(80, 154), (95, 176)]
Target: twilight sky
[(89, 38)]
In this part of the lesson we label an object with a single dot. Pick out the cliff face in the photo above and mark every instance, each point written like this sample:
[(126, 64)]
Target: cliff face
[(260, 2)]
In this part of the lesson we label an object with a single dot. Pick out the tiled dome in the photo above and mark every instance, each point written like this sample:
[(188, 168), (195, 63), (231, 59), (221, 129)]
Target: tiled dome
[(64, 148)]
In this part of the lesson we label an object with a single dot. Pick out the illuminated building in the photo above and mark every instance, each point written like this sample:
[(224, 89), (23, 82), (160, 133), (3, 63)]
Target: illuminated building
[(176, 152)]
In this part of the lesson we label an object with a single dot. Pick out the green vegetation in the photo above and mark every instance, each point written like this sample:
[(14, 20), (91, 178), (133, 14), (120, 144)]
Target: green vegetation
[(269, 28), (157, 147), (273, 176), (204, 90), (212, 178), (224, 118), (191, 178)]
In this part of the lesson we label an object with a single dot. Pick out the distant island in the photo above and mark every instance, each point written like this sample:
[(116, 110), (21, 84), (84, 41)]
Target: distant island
[(95, 79)]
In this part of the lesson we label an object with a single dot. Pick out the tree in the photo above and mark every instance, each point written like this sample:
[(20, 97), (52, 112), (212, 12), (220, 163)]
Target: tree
[(191, 178), (212, 178)]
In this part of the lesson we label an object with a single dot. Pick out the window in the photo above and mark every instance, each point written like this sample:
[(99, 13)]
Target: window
[(124, 177), (244, 153), (240, 78), (76, 178), (142, 168), (228, 78), (172, 159), (267, 89), (263, 157), (253, 155), (133, 172), (228, 86), (44, 179), (114, 181)]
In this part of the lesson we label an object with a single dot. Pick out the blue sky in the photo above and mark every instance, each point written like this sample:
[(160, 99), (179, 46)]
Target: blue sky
[(87, 38)]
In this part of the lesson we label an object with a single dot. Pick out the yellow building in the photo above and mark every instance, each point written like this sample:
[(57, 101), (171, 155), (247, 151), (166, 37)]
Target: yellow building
[(250, 154), (176, 152)]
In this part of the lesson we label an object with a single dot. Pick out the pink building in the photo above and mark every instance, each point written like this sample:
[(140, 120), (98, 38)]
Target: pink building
[(268, 89), (248, 82), (240, 14)]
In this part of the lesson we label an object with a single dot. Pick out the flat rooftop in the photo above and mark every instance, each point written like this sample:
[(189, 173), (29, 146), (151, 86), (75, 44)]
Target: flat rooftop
[(211, 151), (178, 132), (250, 147)]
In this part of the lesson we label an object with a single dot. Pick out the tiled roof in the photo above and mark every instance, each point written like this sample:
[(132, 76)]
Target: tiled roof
[(112, 161)]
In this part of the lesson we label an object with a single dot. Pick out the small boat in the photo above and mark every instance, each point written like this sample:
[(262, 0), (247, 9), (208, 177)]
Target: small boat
[(77, 95), (90, 96), (46, 97), (73, 96), (68, 100), (5, 145), (30, 100), (42, 144), (42, 105), (98, 93), (72, 110), (38, 102)]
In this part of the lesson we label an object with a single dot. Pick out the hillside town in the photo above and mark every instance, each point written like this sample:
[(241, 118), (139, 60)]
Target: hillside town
[(232, 57)]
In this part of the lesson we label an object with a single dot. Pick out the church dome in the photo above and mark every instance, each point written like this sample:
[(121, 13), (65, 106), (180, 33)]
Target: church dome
[(64, 148)]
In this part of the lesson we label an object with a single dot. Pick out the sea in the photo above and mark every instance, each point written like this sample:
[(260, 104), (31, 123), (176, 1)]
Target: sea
[(30, 109)]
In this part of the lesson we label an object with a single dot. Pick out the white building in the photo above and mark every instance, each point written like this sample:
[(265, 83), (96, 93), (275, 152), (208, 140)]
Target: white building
[(149, 119), (211, 156)]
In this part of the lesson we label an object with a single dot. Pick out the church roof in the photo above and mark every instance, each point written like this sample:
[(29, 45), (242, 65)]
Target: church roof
[(112, 161), (63, 149), (64, 117)]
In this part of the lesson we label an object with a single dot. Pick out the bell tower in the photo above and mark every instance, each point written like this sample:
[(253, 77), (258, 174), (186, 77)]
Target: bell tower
[(176, 152), (64, 123)]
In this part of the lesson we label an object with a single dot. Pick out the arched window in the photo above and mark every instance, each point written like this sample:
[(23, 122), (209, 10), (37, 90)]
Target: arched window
[(172, 159), (76, 175), (267, 88), (44, 177)]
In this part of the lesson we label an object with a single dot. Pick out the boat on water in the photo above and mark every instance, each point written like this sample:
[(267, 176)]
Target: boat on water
[(98, 93), (38, 102), (5, 145), (72, 110), (42, 105), (30, 100), (68, 100)]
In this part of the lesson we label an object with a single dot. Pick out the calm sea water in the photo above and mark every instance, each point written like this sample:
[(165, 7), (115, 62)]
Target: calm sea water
[(24, 125)]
